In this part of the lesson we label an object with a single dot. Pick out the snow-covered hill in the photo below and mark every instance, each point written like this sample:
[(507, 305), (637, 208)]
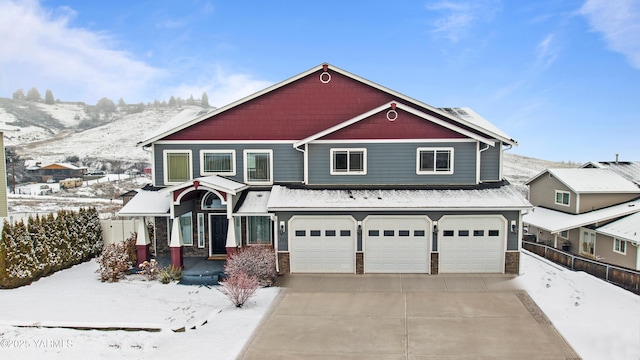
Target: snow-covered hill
[(51, 133)]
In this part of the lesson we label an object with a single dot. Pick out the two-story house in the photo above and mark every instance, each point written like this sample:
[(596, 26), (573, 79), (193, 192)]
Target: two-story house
[(586, 211), (338, 174)]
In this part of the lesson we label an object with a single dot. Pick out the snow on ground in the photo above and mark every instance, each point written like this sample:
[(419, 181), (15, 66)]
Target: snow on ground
[(599, 320), (214, 328)]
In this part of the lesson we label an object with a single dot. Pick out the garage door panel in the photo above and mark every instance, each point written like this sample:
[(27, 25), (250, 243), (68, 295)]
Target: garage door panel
[(471, 244), (322, 244), (396, 244)]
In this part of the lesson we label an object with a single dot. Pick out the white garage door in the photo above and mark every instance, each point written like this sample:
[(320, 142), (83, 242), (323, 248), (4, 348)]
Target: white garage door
[(322, 244), (396, 244), (471, 244)]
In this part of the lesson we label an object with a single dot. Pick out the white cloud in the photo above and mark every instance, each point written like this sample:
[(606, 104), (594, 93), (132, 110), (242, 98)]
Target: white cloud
[(222, 87), (619, 23), (458, 17), (41, 48), (546, 52)]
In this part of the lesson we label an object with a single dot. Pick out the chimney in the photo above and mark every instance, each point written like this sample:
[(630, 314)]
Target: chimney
[(617, 158)]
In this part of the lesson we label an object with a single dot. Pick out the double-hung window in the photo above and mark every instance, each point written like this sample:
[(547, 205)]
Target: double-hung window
[(214, 162), (177, 166), (258, 167), (434, 161), (562, 198), (348, 161), (620, 246)]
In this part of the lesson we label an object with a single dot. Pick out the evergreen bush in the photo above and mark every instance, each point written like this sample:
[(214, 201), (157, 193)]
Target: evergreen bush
[(47, 244)]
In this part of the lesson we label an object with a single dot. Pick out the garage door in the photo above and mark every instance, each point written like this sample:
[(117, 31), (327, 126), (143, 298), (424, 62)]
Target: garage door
[(396, 244), (322, 244), (471, 244)]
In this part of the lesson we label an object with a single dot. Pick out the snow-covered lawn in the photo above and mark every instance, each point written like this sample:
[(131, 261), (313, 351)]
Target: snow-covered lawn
[(599, 320), (214, 328)]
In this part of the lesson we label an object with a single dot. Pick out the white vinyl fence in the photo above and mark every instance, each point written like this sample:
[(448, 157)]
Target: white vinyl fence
[(118, 230)]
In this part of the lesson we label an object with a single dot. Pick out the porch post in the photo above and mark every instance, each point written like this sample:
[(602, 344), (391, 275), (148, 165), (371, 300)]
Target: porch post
[(231, 245), (177, 260), (143, 244)]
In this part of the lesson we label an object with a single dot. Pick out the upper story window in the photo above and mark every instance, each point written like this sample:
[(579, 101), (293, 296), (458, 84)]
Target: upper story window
[(348, 161), (177, 166), (214, 162), (562, 198), (258, 167), (434, 161)]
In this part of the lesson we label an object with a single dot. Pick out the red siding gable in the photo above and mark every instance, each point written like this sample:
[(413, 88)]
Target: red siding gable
[(406, 126), (292, 112)]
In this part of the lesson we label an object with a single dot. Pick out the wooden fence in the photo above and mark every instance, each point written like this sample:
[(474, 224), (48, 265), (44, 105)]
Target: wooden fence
[(625, 278)]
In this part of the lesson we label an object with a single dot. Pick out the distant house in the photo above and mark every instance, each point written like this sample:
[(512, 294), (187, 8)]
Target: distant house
[(590, 211), (55, 172), (630, 170), (339, 175)]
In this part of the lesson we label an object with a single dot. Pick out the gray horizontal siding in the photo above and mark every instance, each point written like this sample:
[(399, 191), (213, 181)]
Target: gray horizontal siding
[(393, 164), (287, 162), (490, 163)]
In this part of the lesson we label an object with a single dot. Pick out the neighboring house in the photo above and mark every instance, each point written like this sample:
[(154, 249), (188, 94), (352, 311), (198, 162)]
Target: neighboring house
[(630, 170), (338, 174), (587, 211), (3, 179), (55, 172)]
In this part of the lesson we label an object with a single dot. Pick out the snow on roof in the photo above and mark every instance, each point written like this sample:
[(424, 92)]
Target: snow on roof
[(627, 228), (147, 203), (557, 221), (254, 203), (630, 170), (65, 165), (505, 197), (185, 116), (213, 181), (471, 116), (591, 180)]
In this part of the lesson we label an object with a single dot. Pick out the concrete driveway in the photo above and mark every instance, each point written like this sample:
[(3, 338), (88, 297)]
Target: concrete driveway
[(404, 317)]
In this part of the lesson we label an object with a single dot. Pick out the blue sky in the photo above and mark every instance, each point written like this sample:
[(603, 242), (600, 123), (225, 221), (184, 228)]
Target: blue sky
[(561, 77)]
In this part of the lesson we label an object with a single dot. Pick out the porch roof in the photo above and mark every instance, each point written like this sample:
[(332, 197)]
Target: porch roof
[(556, 221), (506, 197), (627, 228), (214, 181), (255, 203), (147, 203)]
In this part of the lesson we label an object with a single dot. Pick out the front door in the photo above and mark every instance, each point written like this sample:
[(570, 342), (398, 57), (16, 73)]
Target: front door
[(218, 234)]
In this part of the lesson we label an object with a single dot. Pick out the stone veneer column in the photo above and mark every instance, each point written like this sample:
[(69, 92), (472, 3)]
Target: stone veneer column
[(512, 262)]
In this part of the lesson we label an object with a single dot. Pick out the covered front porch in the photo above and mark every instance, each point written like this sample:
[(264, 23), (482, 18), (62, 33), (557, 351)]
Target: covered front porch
[(197, 270)]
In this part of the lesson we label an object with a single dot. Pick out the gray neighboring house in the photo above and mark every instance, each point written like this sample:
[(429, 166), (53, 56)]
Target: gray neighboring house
[(339, 175), (590, 211)]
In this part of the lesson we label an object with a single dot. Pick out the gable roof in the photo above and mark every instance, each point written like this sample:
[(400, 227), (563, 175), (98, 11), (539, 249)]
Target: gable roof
[(630, 170), (557, 221), (590, 180), (377, 95), (394, 105), (627, 228)]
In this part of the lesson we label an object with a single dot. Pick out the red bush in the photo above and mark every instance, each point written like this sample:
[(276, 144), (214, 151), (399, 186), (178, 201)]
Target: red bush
[(239, 288)]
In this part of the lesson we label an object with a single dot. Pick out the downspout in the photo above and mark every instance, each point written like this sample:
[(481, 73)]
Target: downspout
[(276, 229), (478, 162), (305, 162)]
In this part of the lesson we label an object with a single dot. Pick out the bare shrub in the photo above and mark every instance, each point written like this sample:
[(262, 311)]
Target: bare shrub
[(239, 288), (114, 262), (256, 261), (150, 269)]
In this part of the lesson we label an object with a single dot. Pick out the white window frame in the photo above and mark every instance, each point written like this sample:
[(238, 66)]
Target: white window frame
[(555, 199), (590, 233), (189, 216), (564, 234), (232, 172), (201, 236), (245, 154), (252, 242), (166, 168), (332, 170), (435, 151), (617, 244)]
